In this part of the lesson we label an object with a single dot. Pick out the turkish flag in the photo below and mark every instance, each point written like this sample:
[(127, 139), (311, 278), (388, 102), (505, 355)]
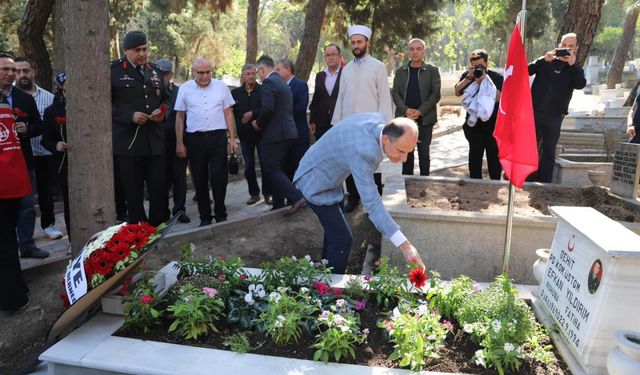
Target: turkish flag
[(515, 128)]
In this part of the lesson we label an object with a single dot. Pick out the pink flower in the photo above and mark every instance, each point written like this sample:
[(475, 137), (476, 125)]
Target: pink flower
[(221, 277), (367, 278), (447, 324), (360, 305), (337, 292), (377, 262), (146, 299), (211, 292), (477, 287), (322, 288)]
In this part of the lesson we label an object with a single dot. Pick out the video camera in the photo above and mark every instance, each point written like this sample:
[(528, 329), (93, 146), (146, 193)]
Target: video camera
[(479, 71)]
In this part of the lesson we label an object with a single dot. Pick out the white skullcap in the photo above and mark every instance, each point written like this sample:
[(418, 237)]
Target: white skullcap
[(359, 30)]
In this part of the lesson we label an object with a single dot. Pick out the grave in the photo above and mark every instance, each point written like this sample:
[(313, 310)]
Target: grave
[(589, 288), (626, 170)]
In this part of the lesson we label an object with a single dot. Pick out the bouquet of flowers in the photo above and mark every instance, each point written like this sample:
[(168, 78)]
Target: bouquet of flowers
[(106, 254)]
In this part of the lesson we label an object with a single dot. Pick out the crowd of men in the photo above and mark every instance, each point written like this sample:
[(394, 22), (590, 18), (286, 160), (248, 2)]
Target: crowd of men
[(159, 130)]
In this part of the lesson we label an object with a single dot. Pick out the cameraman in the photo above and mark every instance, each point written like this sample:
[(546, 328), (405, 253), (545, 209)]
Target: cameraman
[(479, 134), (557, 75)]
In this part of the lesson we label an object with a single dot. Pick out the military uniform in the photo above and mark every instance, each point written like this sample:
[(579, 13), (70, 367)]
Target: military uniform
[(139, 149)]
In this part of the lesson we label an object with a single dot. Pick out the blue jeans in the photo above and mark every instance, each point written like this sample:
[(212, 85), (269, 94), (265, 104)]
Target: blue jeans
[(337, 236), (27, 218), (248, 155)]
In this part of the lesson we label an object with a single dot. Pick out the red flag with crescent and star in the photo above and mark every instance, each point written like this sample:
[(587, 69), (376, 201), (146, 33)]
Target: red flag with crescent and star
[(515, 127)]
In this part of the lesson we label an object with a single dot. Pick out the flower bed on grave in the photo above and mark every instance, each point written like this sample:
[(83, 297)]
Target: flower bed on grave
[(389, 320)]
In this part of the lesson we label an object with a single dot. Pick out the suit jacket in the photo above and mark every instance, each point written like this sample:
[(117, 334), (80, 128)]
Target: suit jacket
[(276, 111), (323, 104), (134, 92), (351, 147), (300, 93), (25, 103), (55, 130), (429, 86)]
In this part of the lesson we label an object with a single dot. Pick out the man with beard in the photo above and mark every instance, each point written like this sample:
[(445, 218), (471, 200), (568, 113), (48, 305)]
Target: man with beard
[(364, 87), (28, 125), (43, 159)]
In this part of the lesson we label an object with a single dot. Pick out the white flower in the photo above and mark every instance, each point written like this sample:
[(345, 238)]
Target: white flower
[(396, 313), (344, 328), (423, 310), (294, 258), (274, 297), (497, 325), (308, 258), (468, 328), (281, 318), (248, 298), (277, 324), (324, 314), (338, 320), (252, 288), (318, 302), (340, 302), (261, 293), (365, 331), (509, 347), (304, 290), (324, 262), (480, 358)]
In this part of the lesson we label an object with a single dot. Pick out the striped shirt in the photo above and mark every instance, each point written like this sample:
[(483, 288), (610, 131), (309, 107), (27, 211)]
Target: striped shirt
[(43, 100)]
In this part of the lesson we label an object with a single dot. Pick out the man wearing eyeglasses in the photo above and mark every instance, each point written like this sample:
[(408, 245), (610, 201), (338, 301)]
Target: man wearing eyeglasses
[(326, 91), (207, 104), (138, 111)]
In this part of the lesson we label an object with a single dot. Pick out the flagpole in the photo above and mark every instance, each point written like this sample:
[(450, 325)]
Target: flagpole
[(522, 16)]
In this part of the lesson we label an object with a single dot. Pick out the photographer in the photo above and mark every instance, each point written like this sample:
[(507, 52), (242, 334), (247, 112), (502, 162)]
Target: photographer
[(557, 75), (481, 89)]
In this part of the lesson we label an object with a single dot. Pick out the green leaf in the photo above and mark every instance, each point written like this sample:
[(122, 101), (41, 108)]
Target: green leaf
[(337, 354), (317, 355), (173, 326)]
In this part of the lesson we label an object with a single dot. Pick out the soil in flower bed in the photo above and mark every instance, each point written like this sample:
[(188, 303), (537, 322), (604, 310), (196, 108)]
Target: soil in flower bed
[(531, 201), (456, 357)]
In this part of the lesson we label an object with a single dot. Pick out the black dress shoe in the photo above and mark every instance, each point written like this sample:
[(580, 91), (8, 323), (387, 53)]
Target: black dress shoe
[(351, 205), (35, 253), (204, 222), (300, 204), (184, 219)]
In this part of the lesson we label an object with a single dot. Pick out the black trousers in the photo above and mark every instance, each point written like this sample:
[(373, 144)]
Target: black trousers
[(338, 238), (295, 155), (118, 190), (481, 140), (208, 159), (425, 134), (320, 130), (45, 180), (275, 161), (135, 171), (547, 135), (13, 289), (176, 172), (353, 191)]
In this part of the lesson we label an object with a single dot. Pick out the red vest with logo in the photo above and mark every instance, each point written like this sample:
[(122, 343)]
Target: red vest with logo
[(14, 178)]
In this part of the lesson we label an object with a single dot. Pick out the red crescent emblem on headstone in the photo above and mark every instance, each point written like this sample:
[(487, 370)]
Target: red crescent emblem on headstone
[(572, 243)]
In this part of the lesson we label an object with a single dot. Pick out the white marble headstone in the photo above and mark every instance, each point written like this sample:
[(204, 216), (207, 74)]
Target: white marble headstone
[(591, 286)]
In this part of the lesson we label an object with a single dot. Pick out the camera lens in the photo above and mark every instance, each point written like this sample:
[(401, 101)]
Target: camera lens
[(478, 71)]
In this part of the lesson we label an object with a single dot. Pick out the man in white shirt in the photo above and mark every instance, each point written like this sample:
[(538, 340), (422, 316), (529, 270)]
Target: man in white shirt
[(43, 159), (207, 103), (364, 87)]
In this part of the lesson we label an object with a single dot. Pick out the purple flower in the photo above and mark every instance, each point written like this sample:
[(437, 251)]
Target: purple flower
[(477, 287), (360, 305)]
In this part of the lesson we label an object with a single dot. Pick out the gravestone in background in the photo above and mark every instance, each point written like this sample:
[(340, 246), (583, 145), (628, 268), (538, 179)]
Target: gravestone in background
[(590, 287), (626, 170)]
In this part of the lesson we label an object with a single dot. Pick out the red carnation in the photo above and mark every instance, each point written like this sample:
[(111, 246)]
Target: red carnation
[(243, 277), (221, 277), (61, 120), (322, 288), (19, 113), (418, 277)]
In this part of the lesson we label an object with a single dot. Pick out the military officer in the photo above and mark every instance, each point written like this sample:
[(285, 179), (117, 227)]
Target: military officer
[(138, 110)]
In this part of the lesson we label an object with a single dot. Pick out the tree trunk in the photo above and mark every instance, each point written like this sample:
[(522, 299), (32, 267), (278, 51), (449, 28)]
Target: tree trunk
[(582, 17), (89, 119), (252, 31), (622, 51), (311, 36), (58, 32), (32, 45), (632, 96)]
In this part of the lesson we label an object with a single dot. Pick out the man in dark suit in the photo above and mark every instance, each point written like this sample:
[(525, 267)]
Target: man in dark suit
[(176, 168), (138, 110), (275, 121), (28, 125), (326, 92), (300, 95)]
